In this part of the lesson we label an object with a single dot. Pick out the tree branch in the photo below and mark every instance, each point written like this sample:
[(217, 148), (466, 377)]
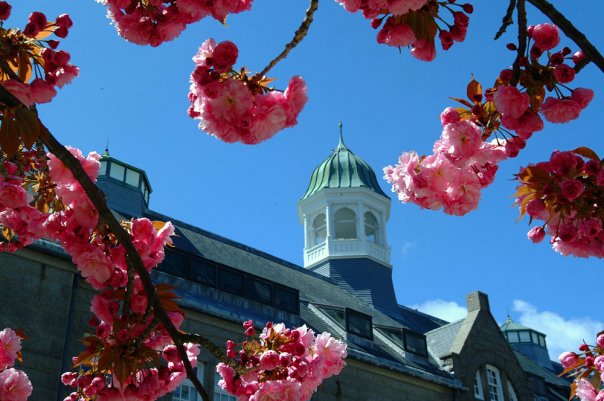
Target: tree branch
[(507, 19), (521, 41), (571, 32), (133, 259), (298, 36)]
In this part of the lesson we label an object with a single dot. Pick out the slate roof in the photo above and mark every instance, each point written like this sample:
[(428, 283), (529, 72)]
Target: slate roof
[(537, 370), (314, 289), (440, 340)]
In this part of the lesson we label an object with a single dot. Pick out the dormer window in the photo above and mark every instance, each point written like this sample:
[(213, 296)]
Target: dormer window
[(319, 227), (371, 227), (346, 224), (359, 324)]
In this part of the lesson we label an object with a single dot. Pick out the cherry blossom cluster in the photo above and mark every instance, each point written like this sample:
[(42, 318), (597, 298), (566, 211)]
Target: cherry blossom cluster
[(502, 118), (150, 381), (153, 22), (415, 23), (288, 363), (127, 342), (566, 194), (39, 67), (518, 107), (452, 177), (587, 367), (235, 107), (14, 383)]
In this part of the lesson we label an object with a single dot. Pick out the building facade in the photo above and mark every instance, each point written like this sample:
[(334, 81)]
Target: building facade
[(344, 287)]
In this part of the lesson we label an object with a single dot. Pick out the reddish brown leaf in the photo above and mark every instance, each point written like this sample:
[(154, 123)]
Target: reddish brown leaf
[(474, 88), (587, 153)]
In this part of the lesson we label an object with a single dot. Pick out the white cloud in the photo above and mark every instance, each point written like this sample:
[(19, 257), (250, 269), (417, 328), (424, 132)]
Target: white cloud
[(562, 334), (407, 247), (446, 310)]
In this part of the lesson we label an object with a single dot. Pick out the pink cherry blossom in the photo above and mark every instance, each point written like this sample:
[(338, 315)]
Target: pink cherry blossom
[(560, 110), (10, 345), (536, 234), (14, 385), (582, 96), (423, 49), (546, 36), (400, 7), (510, 101)]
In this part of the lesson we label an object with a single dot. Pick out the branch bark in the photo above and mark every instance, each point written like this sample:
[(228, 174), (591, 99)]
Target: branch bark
[(298, 36), (571, 32)]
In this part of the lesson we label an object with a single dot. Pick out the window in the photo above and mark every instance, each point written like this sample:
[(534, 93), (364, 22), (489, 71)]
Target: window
[(203, 272), (513, 337), (319, 228), (415, 343), (287, 299), (231, 281), (346, 224), (132, 177), (358, 323), (478, 386), (173, 263), (511, 393), (117, 171), (219, 393), (371, 227), (258, 291), (525, 336), (186, 391), (494, 382), (337, 314)]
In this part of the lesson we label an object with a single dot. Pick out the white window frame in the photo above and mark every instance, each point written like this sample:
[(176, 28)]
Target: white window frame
[(200, 373), (512, 393), (494, 384), (221, 394), (478, 392)]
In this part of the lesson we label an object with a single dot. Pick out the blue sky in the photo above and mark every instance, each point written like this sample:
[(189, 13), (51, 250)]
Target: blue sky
[(136, 98)]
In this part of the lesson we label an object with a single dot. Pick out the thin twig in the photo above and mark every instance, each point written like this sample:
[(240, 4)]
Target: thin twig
[(298, 36), (571, 32), (521, 41), (133, 259), (207, 344), (507, 20)]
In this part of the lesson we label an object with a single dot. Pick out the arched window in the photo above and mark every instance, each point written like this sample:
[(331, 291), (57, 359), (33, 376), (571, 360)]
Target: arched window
[(478, 386), (319, 229), (346, 224), (494, 382), (371, 227), (511, 393)]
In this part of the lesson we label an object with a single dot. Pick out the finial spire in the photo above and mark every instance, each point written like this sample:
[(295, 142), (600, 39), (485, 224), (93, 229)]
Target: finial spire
[(341, 142), (106, 148)]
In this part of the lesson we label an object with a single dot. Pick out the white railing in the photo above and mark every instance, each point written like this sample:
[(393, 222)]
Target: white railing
[(346, 247)]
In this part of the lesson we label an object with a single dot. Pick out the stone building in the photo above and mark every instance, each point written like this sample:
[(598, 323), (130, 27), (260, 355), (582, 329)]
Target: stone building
[(345, 287)]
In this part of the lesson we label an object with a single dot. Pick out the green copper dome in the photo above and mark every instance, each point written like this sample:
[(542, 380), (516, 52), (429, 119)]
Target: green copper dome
[(342, 169)]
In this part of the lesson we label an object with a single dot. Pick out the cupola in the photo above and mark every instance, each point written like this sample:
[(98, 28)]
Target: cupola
[(529, 342), (344, 212), (126, 187)]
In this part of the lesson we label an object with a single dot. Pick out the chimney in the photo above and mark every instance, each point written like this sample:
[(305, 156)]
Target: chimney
[(478, 301)]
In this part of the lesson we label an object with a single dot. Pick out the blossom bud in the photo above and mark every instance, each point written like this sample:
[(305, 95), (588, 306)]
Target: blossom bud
[(589, 361), (536, 234), (584, 347), (38, 19), (61, 32), (376, 22), (600, 341), (568, 359), (123, 335), (250, 331), (546, 36), (448, 116), (578, 57), (468, 8), (269, 360), (5, 9), (564, 73), (64, 20)]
